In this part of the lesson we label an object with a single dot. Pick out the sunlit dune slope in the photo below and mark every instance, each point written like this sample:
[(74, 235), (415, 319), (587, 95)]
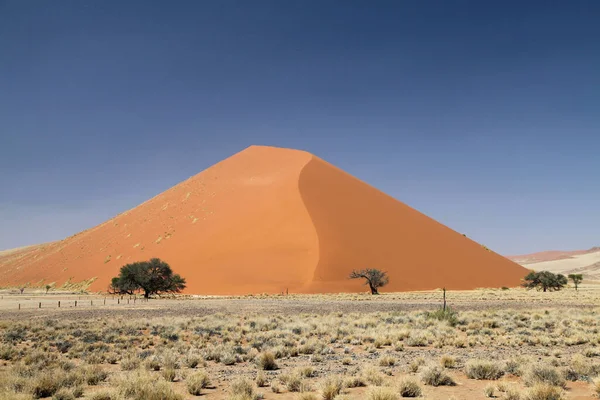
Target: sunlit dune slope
[(269, 220)]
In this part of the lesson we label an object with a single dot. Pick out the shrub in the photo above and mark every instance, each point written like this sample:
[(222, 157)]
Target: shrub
[(104, 395), (261, 379), (373, 376), (544, 375), (435, 376), (544, 392), (266, 361), (196, 382), (483, 370), (142, 386), (448, 315), (63, 394), (331, 387), (381, 393), (488, 391), (387, 361), (242, 387), (596, 386), (46, 384), (447, 361), (94, 375), (409, 387)]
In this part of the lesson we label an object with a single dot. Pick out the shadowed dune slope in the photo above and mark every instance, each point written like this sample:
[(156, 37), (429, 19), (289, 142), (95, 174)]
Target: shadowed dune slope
[(359, 226), (267, 220)]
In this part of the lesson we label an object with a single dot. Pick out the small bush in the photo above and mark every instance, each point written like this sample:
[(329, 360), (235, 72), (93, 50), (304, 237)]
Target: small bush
[(409, 387), (447, 361), (266, 361), (243, 387), (63, 394), (381, 393), (544, 392), (331, 387), (196, 382), (387, 361), (449, 315), (46, 384), (544, 375), (261, 379), (483, 370), (489, 391), (104, 395), (435, 376)]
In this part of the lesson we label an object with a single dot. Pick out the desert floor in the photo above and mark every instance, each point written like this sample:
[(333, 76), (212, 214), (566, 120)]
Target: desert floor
[(507, 344)]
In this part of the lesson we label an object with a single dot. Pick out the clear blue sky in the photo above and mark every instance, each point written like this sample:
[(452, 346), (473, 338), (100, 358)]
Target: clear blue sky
[(483, 115)]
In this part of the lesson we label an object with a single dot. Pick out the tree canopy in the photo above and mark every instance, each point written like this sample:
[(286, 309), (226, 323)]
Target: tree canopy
[(576, 278), (150, 277), (544, 280), (374, 278)]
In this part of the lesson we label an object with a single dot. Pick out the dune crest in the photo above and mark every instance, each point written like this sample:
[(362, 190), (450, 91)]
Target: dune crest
[(269, 220)]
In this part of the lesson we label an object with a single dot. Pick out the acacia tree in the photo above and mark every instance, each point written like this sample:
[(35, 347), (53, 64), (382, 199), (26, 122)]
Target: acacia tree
[(374, 278), (544, 280), (576, 278), (150, 277)]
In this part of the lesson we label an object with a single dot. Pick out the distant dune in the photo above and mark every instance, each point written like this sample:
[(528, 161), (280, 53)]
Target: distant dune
[(586, 262), (266, 220)]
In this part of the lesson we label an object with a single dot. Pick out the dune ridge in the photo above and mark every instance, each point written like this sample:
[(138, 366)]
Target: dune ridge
[(269, 220)]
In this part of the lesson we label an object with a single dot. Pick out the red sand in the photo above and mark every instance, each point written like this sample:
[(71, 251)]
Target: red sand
[(267, 220)]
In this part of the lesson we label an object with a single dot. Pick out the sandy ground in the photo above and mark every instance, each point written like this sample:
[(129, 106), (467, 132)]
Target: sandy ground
[(181, 311)]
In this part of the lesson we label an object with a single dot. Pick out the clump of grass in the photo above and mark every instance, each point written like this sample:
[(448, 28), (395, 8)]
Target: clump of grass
[(415, 364), (266, 361), (46, 384), (308, 396), (409, 387), (448, 315), (196, 382), (596, 386), (331, 387), (104, 395), (94, 375), (544, 375), (261, 379), (476, 369), (387, 361), (243, 388), (373, 376), (447, 361), (130, 364), (63, 394), (488, 391), (382, 393), (142, 386), (435, 376), (543, 391), (170, 374)]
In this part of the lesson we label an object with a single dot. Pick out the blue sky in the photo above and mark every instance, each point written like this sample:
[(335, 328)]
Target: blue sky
[(483, 115)]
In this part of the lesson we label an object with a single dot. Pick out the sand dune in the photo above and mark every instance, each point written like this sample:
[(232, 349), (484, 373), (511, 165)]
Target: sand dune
[(586, 262), (267, 220)]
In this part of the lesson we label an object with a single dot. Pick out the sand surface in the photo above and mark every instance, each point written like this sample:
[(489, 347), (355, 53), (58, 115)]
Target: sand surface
[(586, 262), (269, 220)]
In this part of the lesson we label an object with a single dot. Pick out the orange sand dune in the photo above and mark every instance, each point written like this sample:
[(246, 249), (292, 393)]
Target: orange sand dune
[(267, 220)]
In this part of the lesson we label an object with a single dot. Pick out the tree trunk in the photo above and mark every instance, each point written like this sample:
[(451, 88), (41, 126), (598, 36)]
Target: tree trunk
[(545, 288), (146, 294), (373, 289)]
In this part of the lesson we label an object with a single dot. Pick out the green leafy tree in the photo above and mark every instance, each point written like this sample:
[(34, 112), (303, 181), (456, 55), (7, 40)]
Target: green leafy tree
[(374, 278), (48, 287), (150, 277), (544, 280), (576, 278)]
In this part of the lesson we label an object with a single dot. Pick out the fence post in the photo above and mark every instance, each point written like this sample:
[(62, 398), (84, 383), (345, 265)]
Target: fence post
[(105, 301), (75, 303), (91, 302), (127, 301), (40, 305), (19, 306), (118, 301), (59, 304)]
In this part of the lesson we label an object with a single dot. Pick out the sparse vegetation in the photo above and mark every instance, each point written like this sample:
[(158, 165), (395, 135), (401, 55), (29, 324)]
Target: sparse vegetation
[(577, 279)]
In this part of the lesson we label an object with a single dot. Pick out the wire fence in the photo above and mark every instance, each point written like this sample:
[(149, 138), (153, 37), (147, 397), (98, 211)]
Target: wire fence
[(78, 302)]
